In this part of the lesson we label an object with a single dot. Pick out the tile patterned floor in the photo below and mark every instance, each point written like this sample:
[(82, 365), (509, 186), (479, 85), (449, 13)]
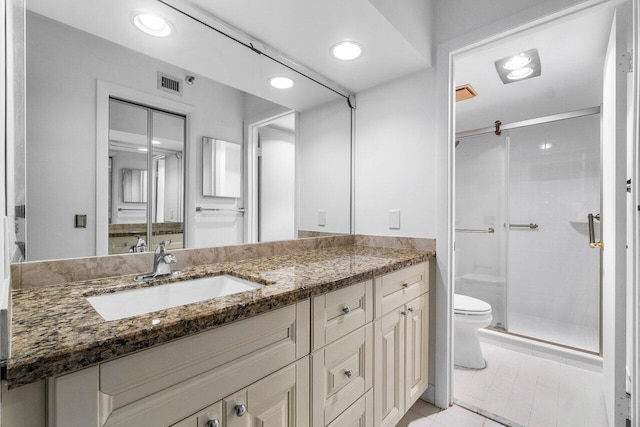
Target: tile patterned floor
[(530, 391), (423, 414)]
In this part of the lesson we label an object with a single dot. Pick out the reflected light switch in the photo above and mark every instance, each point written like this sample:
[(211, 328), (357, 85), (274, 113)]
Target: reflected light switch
[(322, 218), (394, 219), (81, 221)]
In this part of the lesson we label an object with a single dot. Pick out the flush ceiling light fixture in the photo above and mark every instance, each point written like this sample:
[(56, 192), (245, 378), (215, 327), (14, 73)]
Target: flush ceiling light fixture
[(144, 150), (153, 25), (347, 50), (281, 82), (522, 66)]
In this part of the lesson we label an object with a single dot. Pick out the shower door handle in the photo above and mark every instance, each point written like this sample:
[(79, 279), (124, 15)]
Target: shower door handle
[(592, 232)]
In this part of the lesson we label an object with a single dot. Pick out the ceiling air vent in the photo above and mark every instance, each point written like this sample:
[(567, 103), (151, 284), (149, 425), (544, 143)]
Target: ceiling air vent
[(465, 92), (169, 84)]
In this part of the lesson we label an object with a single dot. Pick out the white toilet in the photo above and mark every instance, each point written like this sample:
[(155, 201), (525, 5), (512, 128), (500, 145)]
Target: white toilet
[(469, 315)]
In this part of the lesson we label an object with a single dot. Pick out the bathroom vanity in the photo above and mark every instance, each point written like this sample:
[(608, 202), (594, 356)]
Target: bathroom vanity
[(336, 336)]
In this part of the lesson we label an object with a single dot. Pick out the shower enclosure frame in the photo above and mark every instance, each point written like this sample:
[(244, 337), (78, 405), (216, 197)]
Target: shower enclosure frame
[(518, 125)]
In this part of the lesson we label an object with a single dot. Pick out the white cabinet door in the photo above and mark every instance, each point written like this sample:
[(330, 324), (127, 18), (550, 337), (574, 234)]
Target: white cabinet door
[(389, 368), (279, 400), (417, 349), (360, 414)]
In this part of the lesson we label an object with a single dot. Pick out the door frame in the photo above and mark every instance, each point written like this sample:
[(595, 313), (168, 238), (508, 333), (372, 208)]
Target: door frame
[(104, 91), (543, 13), (251, 128)]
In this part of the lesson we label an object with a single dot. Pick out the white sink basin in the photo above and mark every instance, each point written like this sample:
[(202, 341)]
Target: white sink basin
[(119, 305)]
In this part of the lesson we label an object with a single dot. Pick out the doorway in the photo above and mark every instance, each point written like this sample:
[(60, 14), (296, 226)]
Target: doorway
[(271, 160), (539, 280)]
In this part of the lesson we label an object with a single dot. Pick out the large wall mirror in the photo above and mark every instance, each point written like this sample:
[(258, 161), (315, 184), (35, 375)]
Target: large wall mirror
[(115, 124)]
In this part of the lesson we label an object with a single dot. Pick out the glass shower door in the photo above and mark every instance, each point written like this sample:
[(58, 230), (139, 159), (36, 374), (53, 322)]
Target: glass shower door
[(553, 275), (480, 238)]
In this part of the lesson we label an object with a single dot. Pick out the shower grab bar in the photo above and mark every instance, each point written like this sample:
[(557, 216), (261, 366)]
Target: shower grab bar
[(531, 226), (592, 232), (201, 209), (475, 230)]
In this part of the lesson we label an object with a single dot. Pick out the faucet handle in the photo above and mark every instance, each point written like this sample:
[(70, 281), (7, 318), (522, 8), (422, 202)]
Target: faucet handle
[(169, 259), (161, 246)]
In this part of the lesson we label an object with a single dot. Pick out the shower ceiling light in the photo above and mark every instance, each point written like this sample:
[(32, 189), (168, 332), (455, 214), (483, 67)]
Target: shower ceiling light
[(281, 82), (545, 146), (522, 66), (347, 50), (520, 73), (153, 25), (144, 150), (516, 62)]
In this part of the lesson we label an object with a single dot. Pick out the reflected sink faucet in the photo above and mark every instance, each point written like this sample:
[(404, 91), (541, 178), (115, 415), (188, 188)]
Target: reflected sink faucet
[(162, 261)]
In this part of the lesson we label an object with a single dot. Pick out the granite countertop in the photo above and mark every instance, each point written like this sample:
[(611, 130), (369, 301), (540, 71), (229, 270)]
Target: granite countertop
[(55, 330)]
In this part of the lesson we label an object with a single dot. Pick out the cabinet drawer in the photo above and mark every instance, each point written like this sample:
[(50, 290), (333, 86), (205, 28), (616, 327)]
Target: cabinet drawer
[(202, 418), (359, 414), (340, 312), (275, 339), (400, 287), (342, 372)]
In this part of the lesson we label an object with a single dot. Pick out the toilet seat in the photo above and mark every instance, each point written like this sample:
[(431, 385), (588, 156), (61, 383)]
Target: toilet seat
[(469, 306)]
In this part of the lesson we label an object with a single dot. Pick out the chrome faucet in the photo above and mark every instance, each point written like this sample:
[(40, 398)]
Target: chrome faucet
[(140, 246), (162, 261)]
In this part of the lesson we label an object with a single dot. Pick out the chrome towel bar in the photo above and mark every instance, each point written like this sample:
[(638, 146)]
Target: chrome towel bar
[(532, 226), (475, 230), (237, 210)]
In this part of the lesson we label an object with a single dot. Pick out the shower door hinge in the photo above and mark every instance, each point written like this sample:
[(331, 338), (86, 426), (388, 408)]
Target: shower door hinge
[(626, 62)]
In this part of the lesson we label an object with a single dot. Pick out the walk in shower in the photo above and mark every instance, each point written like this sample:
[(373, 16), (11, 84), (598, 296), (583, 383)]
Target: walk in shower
[(522, 237)]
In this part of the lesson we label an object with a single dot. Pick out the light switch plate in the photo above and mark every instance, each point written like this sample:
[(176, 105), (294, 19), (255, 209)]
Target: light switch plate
[(322, 218), (81, 221), (394, 219)]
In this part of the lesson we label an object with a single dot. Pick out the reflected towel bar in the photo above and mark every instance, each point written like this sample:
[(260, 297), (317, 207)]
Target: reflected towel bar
[(532, 226), (475, 230), (201, 209), (132, 209)]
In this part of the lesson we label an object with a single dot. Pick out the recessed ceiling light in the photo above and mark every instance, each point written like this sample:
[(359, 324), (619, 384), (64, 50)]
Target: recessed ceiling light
[(520, 73), (525, 65), (545, 146), (281, 82), (156, 142), (516, 62), (347, 50), (143, 149), (153, 25)]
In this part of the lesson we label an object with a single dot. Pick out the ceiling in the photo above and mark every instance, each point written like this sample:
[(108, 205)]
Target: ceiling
[(572, 56), (305, 30), (302, 30)]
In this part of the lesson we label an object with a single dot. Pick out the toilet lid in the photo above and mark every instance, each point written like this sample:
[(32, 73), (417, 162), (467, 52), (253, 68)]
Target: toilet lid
[(465, 304)]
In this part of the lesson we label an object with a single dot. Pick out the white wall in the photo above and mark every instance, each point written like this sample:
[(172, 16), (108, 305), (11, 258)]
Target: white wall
[(324, 167), (277, 185), (63, 66), (395, 164), (454, 18)]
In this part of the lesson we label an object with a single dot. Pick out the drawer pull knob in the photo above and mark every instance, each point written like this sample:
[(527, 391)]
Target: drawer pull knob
[(405, 284), (404, 313), (346, 310), (410, 309), (348, 373), (241, 409), (213, 423)]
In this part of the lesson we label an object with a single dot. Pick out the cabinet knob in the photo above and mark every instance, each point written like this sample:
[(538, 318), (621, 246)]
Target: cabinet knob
[(410, 309), (213, 423), (404, 313), (241, 409), (405, 284), (346, 310), (348, 373)]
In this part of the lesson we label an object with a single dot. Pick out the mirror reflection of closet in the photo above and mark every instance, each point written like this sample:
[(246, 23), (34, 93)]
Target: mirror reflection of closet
[(141, 139)]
